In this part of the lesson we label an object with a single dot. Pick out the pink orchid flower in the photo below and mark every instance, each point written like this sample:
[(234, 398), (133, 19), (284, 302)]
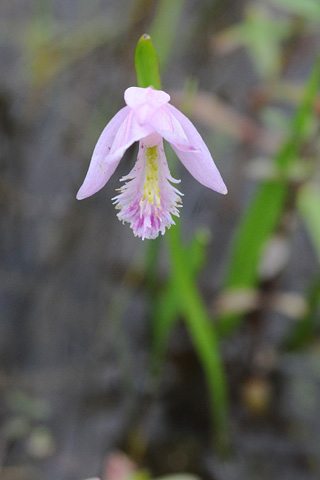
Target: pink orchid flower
[(148, 199)]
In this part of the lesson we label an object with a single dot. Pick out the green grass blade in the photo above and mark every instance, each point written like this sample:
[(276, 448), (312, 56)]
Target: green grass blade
[(202, 334), (166, 311), (266, 207)]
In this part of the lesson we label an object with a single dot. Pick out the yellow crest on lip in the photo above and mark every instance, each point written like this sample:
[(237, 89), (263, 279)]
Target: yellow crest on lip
[(151, 191)]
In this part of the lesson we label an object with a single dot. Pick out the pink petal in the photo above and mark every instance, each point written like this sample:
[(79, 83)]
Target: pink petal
[(118, 467), (199, 163), (170, 129), (99, 171), (145, 102), (130, 131), (121, 132)]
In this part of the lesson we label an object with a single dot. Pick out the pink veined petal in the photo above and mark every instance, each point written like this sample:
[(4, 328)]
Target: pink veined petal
[(135, 96), (130, 131), (121, 132), (98, 173), (170, 129), (199, 163)]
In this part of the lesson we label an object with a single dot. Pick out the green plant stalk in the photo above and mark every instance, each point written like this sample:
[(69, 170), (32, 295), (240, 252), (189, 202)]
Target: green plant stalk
[(188, 301), (147, 71), (202, 334), (166, 309)]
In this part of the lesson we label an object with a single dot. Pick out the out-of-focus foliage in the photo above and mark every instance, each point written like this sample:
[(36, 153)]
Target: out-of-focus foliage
[(50, 51), (261, 33), (266, 208), (308, 9), (308, 204), (166, 20)]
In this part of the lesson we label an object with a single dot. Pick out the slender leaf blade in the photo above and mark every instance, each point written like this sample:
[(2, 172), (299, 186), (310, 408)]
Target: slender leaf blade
[(266, 207), (202, 334)]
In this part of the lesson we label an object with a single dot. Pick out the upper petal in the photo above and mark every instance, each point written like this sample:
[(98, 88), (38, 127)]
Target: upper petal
[(144, 102), (121, 132), (199, 162), (170, 129)]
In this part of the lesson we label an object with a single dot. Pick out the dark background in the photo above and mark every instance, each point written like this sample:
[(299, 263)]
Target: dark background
[(75, 382)]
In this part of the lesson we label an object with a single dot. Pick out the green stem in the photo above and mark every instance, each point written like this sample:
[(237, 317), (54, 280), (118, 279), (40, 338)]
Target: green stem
[(186, 299), (202, 333)]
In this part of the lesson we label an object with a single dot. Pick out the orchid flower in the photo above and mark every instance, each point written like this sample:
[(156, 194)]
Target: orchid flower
[(148, 199)]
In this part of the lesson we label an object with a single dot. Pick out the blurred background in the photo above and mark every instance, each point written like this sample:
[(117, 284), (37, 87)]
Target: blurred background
[(95, 355)]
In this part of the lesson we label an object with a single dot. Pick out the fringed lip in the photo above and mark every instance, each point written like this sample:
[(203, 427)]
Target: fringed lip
[(148, 200)]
